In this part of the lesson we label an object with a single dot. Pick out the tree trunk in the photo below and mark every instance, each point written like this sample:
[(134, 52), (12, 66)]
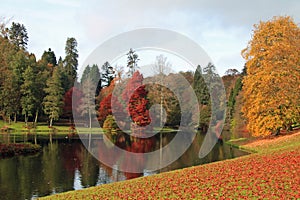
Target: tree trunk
[(36, 117), (9, 120), (51, 119), (90, 117), (161, 108), (26, 119), (15, 117), (277, 132), (35, 139), (160, 151)]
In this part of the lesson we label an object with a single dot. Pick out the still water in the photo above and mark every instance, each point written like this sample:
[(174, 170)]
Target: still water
[(65, 164)]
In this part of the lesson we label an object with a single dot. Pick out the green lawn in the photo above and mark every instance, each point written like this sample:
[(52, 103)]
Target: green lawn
[(42, 127), (272, 172)]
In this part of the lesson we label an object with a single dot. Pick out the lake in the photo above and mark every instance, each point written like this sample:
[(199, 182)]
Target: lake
[(65, 164)]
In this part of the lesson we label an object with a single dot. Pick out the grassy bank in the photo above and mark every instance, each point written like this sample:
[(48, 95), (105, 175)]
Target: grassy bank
[(43, 128), (14, 149), (21, 127), (272, 172)]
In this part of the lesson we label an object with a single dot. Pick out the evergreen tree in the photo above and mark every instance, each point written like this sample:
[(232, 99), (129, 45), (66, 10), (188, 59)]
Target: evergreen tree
[(93, 74), (85, 74), (53, 101), (200, 87), (18, 65), (29, 90), (202, 93), (107, 74), (132, 59), (63, 77), (29, 93), (18, 35), (49, 60), (95, 78), (71, 61)]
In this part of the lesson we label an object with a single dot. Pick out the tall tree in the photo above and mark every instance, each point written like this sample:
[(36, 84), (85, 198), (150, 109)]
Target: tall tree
[(202, 93), (18, 65), (72, 97), (107, 74), (7, 53), (87, 106), (85, 74), (138, 104), (96, 78), (271, 97), (71, 61), (30, 92), (132, 59), (49, 60), (216, 88), (200, 87), (161, 68), (53, 101), (18, 35)]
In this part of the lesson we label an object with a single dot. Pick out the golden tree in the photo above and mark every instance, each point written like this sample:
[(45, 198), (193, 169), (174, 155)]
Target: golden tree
[(272, 85)]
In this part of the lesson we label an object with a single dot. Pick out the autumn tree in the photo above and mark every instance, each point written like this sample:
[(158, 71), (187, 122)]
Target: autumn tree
[(138, 107), (271, 86), (135, 95), (73, 97), (104, 109)]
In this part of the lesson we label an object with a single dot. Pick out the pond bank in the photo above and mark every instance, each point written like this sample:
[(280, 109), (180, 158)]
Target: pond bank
[(273, 172)]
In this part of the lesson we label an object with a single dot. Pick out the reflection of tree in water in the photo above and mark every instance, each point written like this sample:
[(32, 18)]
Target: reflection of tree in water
[(76, 157), (131, 145)]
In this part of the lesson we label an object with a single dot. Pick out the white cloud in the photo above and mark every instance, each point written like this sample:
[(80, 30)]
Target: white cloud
[(222, 28)]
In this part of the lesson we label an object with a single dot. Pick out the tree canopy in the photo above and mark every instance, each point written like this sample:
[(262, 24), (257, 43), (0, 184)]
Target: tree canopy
[(271, 100)]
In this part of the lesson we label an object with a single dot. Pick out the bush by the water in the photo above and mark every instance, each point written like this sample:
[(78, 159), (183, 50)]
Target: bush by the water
[(7, 150)]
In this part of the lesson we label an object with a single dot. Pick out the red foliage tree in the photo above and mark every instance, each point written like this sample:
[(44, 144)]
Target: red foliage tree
[(106, 109), (72, 94), (138, 107), (136, 96)]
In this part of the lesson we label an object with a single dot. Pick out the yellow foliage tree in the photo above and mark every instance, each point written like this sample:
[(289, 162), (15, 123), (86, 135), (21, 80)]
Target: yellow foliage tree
[(272, 85)]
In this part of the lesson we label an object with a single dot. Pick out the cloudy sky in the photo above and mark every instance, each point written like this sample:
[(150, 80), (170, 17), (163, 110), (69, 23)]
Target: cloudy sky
[(221, 28)]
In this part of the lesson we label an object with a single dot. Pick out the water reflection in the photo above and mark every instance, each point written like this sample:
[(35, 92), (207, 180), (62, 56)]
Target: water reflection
[(64, 164)]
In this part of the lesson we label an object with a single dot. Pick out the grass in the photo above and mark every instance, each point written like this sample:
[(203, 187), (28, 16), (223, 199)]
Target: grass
[(272, 172), (21, 127), (42, 127), (269, 144)]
